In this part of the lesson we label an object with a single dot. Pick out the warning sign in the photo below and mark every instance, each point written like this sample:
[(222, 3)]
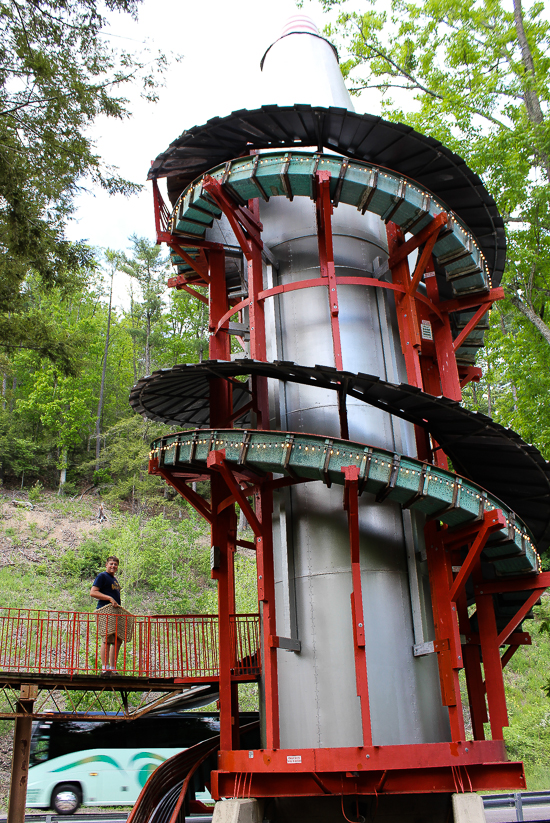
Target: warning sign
[(426, 330)]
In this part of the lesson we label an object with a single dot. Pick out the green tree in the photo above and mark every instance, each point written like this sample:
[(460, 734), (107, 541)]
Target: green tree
[(479, 78), (186, 331), (57, 75), (62, 404), (149, 268), (113, 260)]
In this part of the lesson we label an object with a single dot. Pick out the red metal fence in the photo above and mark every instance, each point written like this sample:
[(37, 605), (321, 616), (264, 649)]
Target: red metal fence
[(36, 641)]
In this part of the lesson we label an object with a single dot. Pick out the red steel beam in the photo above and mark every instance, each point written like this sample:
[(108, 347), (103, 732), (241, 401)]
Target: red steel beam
[(326, 259), (516, 638), (266, 597), (494, 683), (448, 779), (449, 654), (515, 584), (465, 303), (351, 505)]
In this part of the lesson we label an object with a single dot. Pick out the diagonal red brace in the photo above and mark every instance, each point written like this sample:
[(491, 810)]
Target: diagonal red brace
[(198, 503), (414, 242), (197, 267), (519, 616), (492, 521), (244, 224), (470, 326), (425, 258), (216, 460)]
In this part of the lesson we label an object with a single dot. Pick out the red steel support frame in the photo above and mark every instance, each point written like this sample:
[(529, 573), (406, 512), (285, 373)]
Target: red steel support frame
[(431, 366), (440, 544), (223, 525), (368, 769), (245, 222)]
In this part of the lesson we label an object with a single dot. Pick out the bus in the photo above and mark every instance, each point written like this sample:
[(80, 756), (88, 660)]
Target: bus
[(107, 762)]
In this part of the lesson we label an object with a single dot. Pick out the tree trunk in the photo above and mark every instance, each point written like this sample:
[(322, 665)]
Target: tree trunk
[(134, 358), (147, 347), (530, 96), (103, 374), (12, 398), (531, 315), (63, 471)]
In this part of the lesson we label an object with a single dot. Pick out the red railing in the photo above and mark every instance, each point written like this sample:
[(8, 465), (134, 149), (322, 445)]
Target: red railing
[(36, 641)]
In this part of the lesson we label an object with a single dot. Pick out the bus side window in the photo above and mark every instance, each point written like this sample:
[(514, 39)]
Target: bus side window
[(41, 750), (40, 743)]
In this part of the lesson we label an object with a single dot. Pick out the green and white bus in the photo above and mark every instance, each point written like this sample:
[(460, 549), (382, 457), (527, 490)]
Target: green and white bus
[(106, 762)]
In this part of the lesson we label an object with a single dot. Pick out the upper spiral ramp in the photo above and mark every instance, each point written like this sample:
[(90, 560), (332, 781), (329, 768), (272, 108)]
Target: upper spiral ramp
[(359, 136)]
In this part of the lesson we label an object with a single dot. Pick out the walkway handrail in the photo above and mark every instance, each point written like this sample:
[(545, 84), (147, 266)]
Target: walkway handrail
[(41, 641)]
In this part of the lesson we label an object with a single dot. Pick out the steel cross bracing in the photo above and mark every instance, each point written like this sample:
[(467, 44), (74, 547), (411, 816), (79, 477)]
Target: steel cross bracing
[(89, 699), (241, 467)]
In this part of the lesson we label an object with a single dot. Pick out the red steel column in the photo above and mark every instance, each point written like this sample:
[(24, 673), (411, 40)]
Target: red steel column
[(20, 758), (351, 504), (447, 637), (266, 597), (224, 521), (221, 527), (492, 665), (407, 317), (443, 339), (326, 259), (472, 669), (258, 349)]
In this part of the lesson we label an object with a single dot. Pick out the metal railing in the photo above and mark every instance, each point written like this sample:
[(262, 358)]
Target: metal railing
[(37, 641), (517, 801)]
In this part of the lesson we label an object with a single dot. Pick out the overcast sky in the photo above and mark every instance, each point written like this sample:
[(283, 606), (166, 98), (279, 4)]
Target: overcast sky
[(222, 42)]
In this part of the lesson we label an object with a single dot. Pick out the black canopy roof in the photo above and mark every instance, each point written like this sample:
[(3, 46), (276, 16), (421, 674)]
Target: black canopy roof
[(358, 136), (491, 455)]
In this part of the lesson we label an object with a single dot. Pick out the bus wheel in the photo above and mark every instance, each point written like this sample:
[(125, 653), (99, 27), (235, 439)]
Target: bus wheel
[(66, 798)]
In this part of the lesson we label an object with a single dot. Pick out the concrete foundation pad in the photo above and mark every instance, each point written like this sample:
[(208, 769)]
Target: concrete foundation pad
[(468, 808), (248, 810)]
